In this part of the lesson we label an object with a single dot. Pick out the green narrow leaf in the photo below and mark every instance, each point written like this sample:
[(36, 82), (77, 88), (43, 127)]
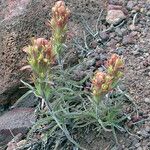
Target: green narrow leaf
[(27, 85)]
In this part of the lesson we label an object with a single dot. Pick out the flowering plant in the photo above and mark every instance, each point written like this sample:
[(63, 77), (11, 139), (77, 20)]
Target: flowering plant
[(65, 105), (102, 82), (40, 56), (58, 24)]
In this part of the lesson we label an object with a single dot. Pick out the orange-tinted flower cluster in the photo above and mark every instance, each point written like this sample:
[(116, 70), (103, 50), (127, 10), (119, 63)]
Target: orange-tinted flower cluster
[(114, 65), (102, 83), (60, 15), (58, 23), (40, 56), (42, 52)]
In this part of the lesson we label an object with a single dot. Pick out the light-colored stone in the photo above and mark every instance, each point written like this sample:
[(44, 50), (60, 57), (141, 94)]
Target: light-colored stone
[(132, 27), (14, 122), (21, 143), (147, 100), (139, 148), (115, 16)]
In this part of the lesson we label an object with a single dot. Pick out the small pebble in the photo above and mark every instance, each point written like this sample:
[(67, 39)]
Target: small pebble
[(146, 54), (21, 143), (118, 31), (99, 63), (147, 128), (134, 141), (148, 13), (90, 63), (120, 50), (136, 8), (104, 36), (128, 40), (147, 100), (134, 33), (101, 69), (137, 144), (135, 52), (142, 10), (139, 148), (143, 133), (115, 16), (130, 5), (132, 27)]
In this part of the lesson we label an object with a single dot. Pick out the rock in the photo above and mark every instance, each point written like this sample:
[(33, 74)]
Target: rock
[(117, 7), (132, 27), (148, 13), (78, 74), (13, 143), (119, 32), (114, 7), (21, 143), (128, 142), (120, 50), (104, 36), (134, 141), (147, 100), (135, 52), (115, 16), (99, 63), (134, 34), (137, 144), (90, 62), (127, 39), (145, 53), (136, 8), (15, 121), (143, 133), (140, 148), (101, 69), (116, 2), (112, 43), (20, 20), (11, 146), (29, 101), (147, 129), (130, 5), (122, 87), (142, 10), (124, 31)]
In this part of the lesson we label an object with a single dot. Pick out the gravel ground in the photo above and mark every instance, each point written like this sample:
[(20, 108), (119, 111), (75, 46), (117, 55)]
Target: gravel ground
[(129, 37)]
